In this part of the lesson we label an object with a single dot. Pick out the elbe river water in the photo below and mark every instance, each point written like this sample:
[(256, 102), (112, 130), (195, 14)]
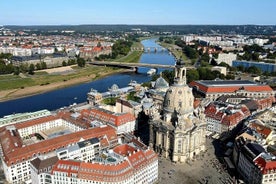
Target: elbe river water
[(77, 94)]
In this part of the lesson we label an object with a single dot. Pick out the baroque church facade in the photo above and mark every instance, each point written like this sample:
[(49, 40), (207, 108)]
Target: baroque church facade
[(179, 133)]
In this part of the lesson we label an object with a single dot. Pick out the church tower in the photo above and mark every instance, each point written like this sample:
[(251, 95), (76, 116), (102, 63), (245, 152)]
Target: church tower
[(179, 97), (179, 134)]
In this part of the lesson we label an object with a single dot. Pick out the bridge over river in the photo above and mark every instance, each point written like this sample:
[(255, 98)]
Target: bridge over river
[(132, 65)]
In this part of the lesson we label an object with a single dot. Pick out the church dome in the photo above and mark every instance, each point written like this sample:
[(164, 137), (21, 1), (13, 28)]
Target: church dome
[(161, 83), (114, 87), (179, 96), (180, 99)]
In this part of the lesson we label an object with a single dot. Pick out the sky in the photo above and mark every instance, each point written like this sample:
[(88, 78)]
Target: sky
[(151, 12)]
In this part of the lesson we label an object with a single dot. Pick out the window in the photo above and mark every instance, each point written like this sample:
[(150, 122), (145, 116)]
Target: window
[(180, 104), (179, 146)]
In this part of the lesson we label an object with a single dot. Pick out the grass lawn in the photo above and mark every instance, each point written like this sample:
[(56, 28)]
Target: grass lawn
[(15, 83), (133, 57), (177, 53), (42, 78), (137, 45)]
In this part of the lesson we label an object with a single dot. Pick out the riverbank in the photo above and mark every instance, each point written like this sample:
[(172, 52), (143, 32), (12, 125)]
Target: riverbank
[(13, 87), (74, 93), (177, 52), (11, 94)]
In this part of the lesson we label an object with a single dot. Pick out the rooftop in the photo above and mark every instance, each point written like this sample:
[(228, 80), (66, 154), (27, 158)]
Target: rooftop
[(14, 151), (44, 163), (228, 86), (215, 83), (115, 119)]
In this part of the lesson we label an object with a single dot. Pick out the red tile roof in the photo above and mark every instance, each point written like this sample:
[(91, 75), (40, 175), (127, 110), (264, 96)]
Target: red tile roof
[(265, 102), (231, 119), (124, 150), (14, 151), (229, 89), (66, 166), (104, 172), (112, 172), (261, 129), (30, 123), (104, 143), (137, 159), (97, 49), (265, 165), (108, 117)]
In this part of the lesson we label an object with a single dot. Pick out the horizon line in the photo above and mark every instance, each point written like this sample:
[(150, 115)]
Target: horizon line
[(139, 24)]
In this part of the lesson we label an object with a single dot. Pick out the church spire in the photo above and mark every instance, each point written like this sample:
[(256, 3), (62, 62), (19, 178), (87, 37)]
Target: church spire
[(180, 73)]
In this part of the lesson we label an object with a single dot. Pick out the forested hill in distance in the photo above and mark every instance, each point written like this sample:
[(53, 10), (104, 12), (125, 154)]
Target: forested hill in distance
[(174, 29)]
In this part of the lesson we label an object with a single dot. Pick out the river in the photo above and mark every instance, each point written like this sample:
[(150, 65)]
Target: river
[(77, 94)]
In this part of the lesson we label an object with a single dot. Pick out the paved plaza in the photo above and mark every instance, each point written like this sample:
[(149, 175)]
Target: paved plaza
[(204, 169)]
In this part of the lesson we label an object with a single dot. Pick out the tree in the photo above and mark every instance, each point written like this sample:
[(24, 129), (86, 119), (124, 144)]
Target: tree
[(168, 76), (5, 69), (110, 101), (230, 77), (205, 57), (9, 68), (180, 43), (206, 74), (81, 62), (16, 70), (254, 70), (161, 38), (169, 41), (38, 66), (190, 52), (241, 68), (31, 69), (131, 96), (202, 73), (204, 64), (224, 65), (6, 56), (217, 74), (255, 56), (43, 65), (71, 62), (24, 67), (64, 63), (192, 75)]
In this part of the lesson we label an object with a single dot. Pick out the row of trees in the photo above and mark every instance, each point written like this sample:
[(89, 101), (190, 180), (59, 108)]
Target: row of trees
[(26, 68), (120, 47), (251, 69), (202, 73), (252, 52), (23, 68), (69, 62), (5, 69)]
